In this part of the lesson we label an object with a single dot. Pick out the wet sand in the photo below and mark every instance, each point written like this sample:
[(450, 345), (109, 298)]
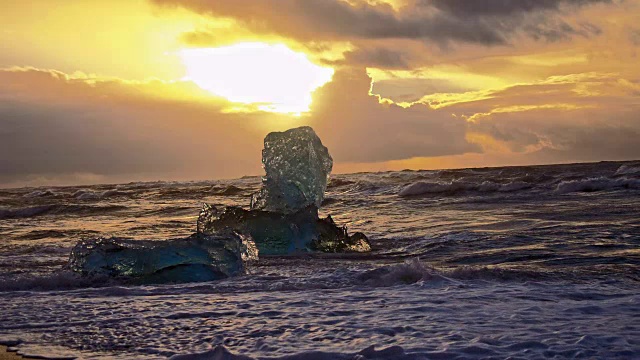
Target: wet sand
[(5, 355)]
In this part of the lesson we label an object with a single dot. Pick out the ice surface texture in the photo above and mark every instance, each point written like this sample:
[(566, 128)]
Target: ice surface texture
[(297, 166), (196, 258), (283, 218), (284, 214), (277, 233)]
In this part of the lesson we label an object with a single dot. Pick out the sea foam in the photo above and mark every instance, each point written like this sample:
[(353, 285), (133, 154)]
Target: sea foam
[(597, 184)]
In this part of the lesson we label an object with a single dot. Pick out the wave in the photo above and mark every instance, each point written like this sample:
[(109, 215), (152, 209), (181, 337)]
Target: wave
[(568, 185), (227, 190), (337, 182), (40, 193), (454, 187), (364, 187), (58, 209), (84, 194), (57, 281), (25, 212), (414, 271), (409, 272), (628, 169), (597, 184), (370, 353)]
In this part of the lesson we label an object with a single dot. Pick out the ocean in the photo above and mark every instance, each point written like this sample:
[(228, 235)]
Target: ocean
[(530, 262)]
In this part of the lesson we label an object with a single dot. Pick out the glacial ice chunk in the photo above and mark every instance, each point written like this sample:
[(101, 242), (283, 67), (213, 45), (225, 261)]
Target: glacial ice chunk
[(297, 167), (279, 234), (196, 258)]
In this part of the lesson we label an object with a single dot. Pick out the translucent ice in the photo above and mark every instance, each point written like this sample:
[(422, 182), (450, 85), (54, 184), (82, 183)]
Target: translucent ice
[(196, 258), (297, 166), (277, 233)]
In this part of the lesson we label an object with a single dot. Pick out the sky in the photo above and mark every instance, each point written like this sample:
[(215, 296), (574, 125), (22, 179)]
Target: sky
[(108, 91)]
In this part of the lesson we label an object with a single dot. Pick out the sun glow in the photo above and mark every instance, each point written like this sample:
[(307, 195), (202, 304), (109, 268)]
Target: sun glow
[(274, 77)]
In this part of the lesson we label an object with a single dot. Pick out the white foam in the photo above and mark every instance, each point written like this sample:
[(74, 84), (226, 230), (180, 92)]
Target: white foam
[(425, 187), (597, 184), (477, 320), (61, 280), (40, 193), (25, 212), (628, 170), (409, 272), (370, 353), (84, 194)]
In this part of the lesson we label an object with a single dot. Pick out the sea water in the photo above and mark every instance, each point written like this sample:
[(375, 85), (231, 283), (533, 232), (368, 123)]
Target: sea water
[(520, 262)]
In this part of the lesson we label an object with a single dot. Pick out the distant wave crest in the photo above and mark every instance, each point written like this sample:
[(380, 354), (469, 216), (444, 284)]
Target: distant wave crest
[(453, 187), (414, 271), (220, 352), (57, 281), (597, 184), (628, 169), (31, 211), (84, 194)]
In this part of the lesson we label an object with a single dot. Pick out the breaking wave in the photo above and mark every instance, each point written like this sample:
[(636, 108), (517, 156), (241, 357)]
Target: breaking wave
[(32, 211), (84, 194), (454, 187), (628, 169), (597, 184), (25, 212), (414, 271), (40, 193), (60, 280), (370, 353)]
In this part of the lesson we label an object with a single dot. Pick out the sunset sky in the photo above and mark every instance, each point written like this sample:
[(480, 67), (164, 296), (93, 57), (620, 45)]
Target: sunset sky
[(103, 91)]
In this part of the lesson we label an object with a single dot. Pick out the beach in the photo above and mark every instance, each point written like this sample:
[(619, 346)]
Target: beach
[(521, 262), (6, 355)]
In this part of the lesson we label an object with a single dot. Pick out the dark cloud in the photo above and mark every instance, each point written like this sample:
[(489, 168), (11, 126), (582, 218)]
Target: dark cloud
[(59, 140), (378, 57), (482, 22), (552, 30), (634, 36), (200, 37), (474, 8), (557, 122), (54, 127), (357, 128), (591, 135), (411, 90)]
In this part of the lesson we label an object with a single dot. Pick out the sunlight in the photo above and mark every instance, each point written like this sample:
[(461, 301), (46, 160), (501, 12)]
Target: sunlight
[(273, 76)]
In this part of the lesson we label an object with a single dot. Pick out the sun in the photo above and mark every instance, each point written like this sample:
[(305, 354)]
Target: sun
[(274, 77)]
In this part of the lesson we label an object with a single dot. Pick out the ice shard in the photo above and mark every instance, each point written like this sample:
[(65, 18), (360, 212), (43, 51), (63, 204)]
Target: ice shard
[(284, 214), (297, 167), (196, 258), (277, 233), (283, 220)]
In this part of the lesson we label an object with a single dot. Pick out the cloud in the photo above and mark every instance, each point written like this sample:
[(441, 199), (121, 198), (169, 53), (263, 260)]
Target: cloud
[(56, 126), (414, 89), (579, 117), (478, 22), (53, 126), (546, 133), (634, 36), (465, 8), (378, 57), (358, 128)]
